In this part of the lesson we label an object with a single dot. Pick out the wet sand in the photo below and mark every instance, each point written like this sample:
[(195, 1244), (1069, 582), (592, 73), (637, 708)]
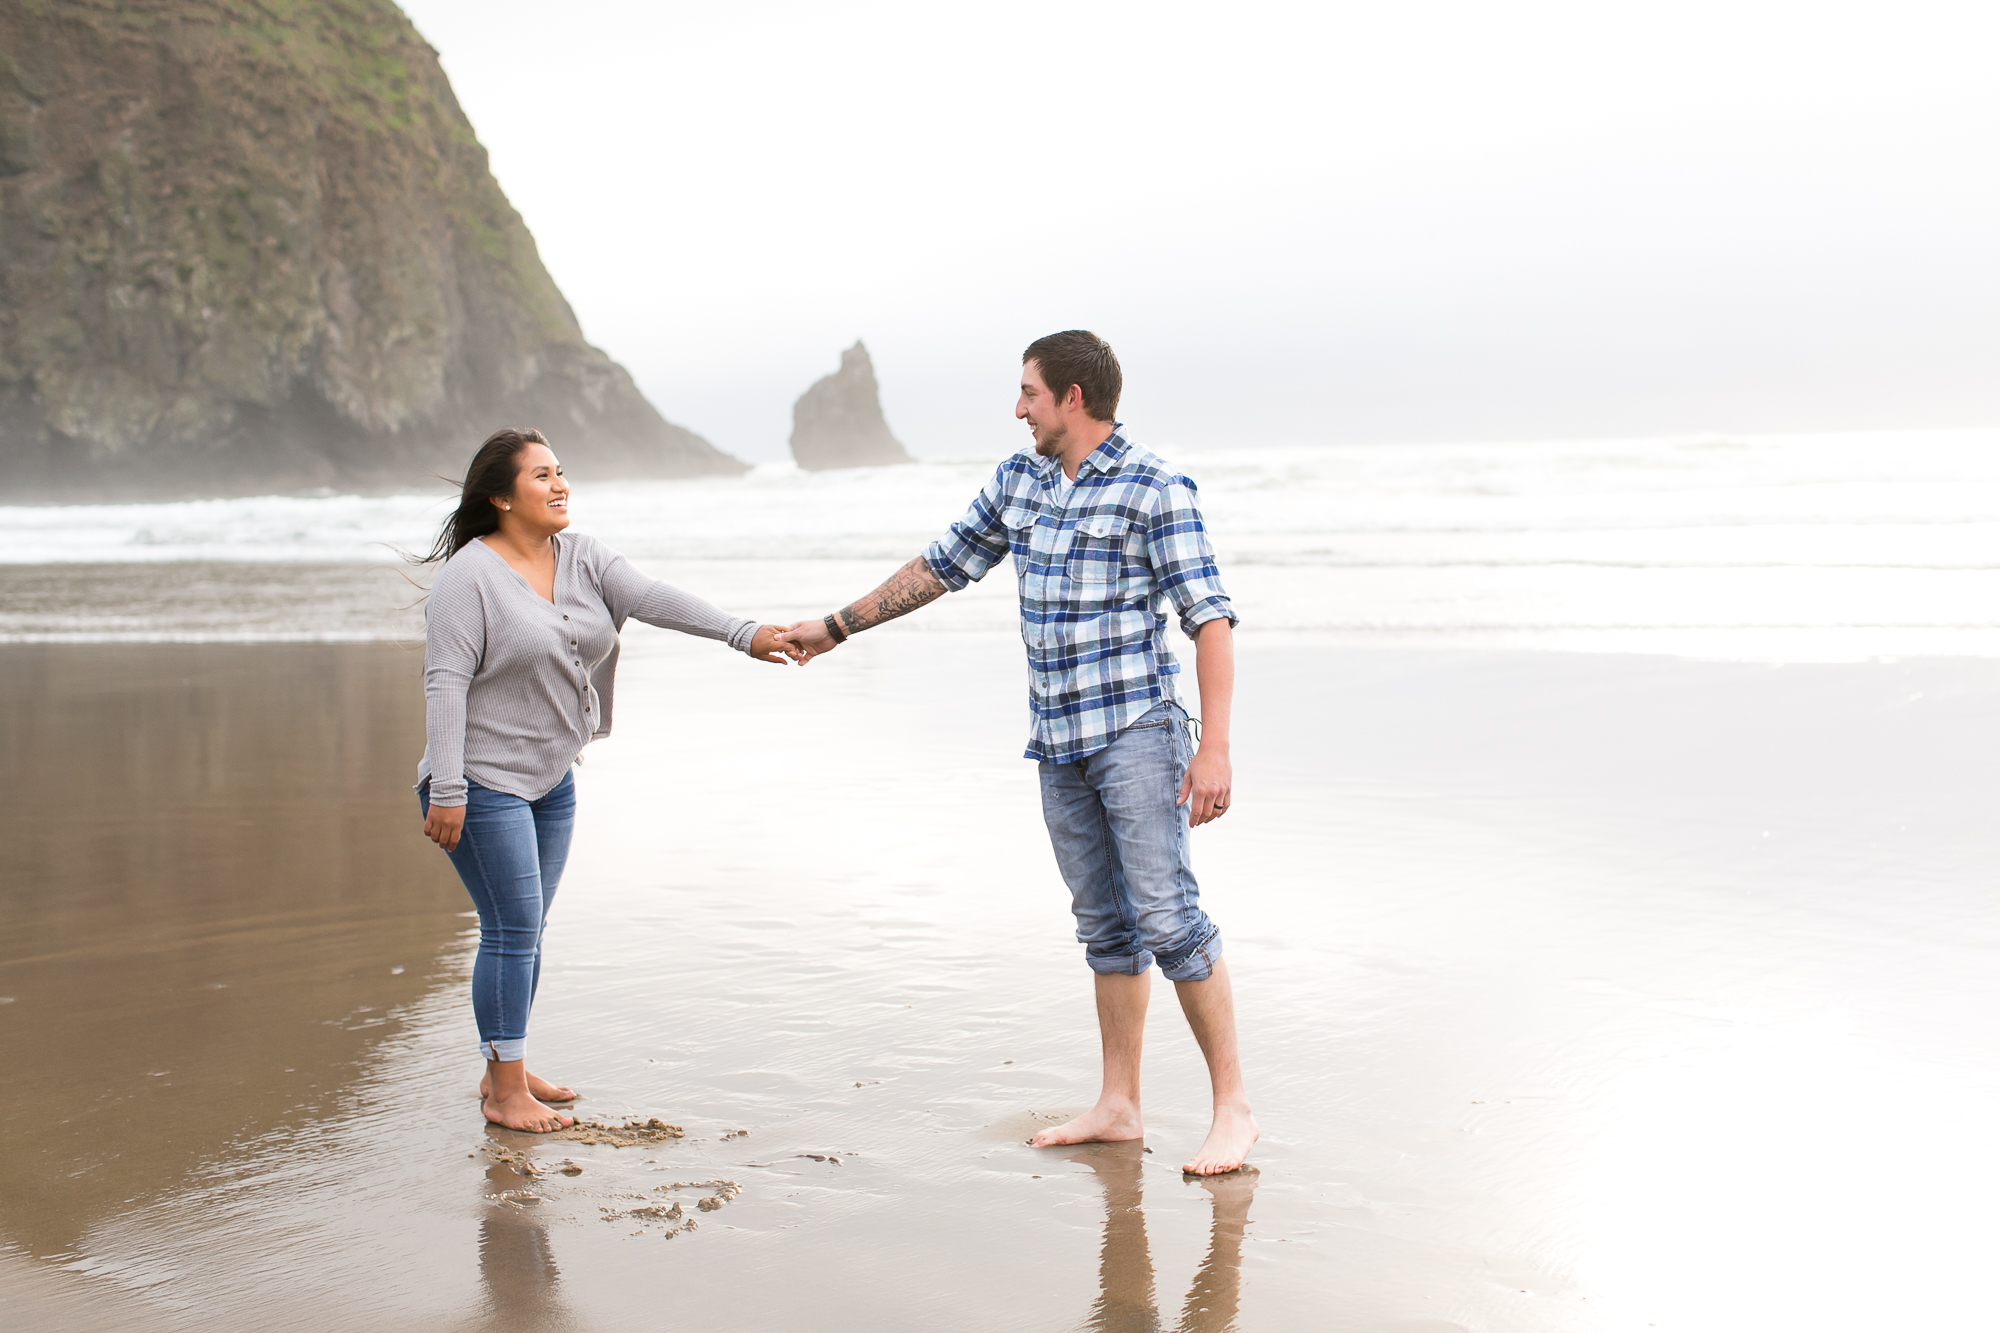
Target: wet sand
[(1579, 992)]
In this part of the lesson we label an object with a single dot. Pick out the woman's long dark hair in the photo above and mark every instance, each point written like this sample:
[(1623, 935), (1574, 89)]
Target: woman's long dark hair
[(489, 477)]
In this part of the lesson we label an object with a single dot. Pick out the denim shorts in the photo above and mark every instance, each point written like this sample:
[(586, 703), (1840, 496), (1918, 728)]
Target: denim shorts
[(1122, 845)]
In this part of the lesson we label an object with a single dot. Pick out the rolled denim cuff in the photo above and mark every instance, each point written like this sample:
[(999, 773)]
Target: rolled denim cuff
[(1119, 965), (511, 1048), (1197, 963)]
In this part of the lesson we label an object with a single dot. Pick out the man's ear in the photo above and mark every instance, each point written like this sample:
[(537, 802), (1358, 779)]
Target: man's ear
[(1073, 400)]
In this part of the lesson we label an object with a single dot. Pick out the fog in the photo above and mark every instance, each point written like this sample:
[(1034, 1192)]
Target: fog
[(1297, 223)]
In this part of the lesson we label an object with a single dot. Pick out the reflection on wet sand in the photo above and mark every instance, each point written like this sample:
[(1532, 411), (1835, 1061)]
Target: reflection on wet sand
[(208, 894), (1568, 977), (209, 599), (517, 1266), (1126, 1302)]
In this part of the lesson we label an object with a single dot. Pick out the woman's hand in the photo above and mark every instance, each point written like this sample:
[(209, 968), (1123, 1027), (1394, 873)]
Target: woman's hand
[(768, 647), (443, 824)]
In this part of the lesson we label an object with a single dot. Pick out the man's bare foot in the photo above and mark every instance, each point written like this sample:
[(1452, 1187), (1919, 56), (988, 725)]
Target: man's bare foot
[(1228, 1143), (1102, 1123), (522, 1112), (538, 1087)]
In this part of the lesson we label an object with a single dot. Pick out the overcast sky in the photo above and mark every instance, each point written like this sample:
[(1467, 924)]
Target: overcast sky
[(1296, 223)]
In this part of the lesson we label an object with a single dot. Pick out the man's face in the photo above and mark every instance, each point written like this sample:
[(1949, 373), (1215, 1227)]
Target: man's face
[(1043, 413)]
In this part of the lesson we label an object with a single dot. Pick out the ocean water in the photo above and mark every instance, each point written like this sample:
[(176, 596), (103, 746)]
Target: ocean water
[(1830, 547)]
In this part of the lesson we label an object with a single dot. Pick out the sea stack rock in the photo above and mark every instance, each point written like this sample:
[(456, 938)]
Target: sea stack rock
[(248, 246), (838, 422)]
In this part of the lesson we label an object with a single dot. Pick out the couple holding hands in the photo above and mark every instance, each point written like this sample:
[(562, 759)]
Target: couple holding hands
[(521, 647)]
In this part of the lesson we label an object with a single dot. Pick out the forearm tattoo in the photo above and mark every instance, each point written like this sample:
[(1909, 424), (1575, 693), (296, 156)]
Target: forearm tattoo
[(902, 592)]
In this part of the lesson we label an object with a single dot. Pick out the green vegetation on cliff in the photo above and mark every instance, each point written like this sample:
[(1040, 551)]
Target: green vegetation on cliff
[(254, 243)]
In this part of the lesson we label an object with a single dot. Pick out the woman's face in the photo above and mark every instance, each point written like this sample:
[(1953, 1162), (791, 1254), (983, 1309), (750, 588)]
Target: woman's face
[(540, 502)]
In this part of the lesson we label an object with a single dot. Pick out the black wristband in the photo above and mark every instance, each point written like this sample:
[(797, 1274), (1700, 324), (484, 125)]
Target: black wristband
[(833, 628)]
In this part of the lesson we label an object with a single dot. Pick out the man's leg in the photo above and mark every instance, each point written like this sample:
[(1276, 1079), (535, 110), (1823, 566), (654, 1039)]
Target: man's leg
[(1138, 781), (1106, 927), (1211, 1012), (1121, 1030)]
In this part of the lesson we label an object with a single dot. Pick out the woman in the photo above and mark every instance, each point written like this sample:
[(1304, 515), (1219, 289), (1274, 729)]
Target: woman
[(520, 643)]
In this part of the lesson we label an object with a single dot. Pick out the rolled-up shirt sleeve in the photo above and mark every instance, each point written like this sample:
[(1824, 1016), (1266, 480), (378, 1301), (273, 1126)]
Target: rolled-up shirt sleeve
[(976, 542), (454, 646), (1184, 565)]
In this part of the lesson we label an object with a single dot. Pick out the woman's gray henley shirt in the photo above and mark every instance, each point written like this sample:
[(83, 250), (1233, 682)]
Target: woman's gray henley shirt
[(514, 685)]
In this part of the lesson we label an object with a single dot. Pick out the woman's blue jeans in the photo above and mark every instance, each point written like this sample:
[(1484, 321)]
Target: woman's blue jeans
[(510, 855)]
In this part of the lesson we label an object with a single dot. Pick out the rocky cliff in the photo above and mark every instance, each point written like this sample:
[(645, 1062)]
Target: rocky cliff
[(248, 244), (838, 422)]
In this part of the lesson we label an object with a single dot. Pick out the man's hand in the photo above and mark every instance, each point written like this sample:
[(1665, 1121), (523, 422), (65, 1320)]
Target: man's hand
[(1206, 785), (443, 824), (808, 639), (769, 645)]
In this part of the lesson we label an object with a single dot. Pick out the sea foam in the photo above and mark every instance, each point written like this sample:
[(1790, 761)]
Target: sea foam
[(1812, 546)]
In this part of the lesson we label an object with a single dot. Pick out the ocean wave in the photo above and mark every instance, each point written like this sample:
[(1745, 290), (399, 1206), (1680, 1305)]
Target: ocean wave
[(1859, 534)]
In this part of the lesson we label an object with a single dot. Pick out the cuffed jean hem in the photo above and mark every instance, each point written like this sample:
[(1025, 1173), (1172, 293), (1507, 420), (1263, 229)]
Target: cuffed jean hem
[(1196, 964), (514, 1048)]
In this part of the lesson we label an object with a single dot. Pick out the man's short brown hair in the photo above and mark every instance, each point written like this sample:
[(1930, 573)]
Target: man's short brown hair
[(1079, 357)]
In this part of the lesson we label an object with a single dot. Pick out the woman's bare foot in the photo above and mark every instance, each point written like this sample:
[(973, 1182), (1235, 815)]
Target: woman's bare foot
[(538, 1087), (1230, 1135), (1106, 1122), (520, 1111)]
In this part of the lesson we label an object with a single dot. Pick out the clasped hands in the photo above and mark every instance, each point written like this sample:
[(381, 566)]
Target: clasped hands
[(797, 644)]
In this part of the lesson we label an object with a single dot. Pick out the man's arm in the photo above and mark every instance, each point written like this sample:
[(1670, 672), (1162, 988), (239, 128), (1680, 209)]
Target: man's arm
[(967, 550), (910, 587), (1208, 777)]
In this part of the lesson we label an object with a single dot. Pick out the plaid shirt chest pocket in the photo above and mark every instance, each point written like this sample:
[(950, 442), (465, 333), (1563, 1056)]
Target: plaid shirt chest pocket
[(1031, 540), (1100, 548)]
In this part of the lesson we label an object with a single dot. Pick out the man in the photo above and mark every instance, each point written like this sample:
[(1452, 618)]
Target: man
[(1101, 531)]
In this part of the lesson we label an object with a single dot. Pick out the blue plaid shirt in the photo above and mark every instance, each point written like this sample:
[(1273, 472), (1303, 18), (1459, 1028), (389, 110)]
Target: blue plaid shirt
[(1093, 568)]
